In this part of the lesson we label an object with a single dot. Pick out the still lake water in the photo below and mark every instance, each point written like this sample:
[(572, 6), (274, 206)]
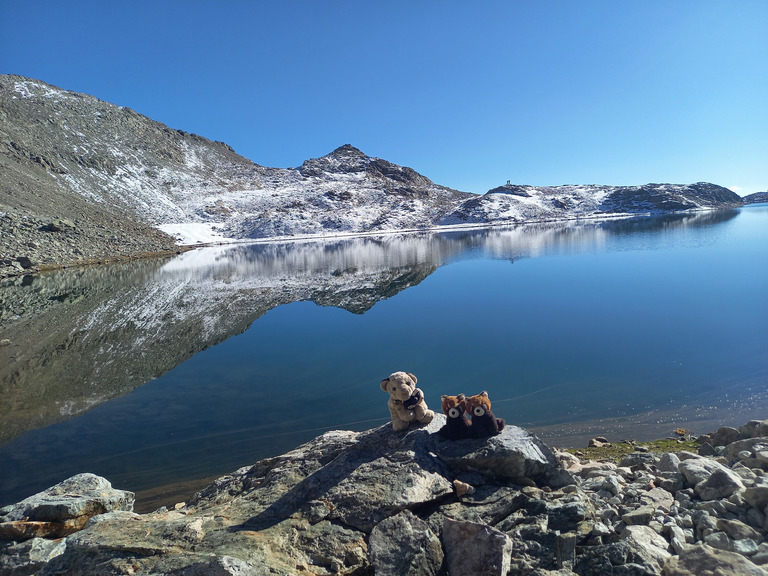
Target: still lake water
[(154, 373)]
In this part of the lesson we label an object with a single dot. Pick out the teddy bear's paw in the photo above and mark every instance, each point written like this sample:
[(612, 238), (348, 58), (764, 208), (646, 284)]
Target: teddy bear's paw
[(429, 415), (399, 425)]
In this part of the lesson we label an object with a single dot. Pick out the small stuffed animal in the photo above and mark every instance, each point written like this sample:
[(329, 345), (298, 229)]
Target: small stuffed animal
[(457, 425), (406, 402), (484, 423)]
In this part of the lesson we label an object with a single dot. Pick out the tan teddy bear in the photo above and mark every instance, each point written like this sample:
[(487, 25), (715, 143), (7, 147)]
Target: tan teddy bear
[(406, 402)]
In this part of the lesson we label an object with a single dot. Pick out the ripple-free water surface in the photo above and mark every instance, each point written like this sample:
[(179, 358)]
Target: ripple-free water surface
[(656, 322)]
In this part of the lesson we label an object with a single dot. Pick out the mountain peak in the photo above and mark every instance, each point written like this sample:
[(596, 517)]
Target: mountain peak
[(347, 150)]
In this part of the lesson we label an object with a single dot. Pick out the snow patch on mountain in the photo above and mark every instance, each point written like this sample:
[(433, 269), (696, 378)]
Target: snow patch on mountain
[(201, 191)]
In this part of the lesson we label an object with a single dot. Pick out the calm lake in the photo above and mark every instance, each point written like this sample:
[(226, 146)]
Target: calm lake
[(158, 373)]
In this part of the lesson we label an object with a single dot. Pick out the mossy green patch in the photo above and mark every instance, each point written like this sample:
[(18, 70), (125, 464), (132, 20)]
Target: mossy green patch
[(615, 451)]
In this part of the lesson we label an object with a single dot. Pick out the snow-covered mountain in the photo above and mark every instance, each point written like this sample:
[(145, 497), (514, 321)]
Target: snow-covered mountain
[(64, 143), (516, 204), (114, 178)]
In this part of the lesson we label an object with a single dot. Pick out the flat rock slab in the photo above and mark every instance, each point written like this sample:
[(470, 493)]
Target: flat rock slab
[(63, 508)]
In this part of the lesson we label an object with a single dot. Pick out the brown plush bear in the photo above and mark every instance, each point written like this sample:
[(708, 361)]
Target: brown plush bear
[(406, 402), (457, 426), (484, 423)]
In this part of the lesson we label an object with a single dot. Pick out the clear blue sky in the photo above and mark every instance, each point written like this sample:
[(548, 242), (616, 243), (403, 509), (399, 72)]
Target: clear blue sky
[(469, 94)]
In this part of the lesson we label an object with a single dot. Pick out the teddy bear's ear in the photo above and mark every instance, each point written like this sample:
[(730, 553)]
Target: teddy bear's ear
[(412, 377), (461, 397), (484, 393), (384, 384), (443, 397)]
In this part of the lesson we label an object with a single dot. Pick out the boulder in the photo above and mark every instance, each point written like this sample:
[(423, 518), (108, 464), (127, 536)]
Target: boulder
[(641, 515), (472, 548), (720, 484), (668, 462), (738, 530), (647, 546), (698, 469), (750, 445), (754, 428), (724, 436), (703, 560), (403, 545), (515, 455), (756, 496), (64, 508)]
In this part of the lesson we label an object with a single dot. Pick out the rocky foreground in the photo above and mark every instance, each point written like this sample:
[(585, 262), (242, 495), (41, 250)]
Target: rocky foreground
[(380, 502)]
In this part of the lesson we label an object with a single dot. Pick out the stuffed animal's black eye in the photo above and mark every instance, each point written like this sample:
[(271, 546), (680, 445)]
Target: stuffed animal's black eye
[(453, 413), (479, 411)]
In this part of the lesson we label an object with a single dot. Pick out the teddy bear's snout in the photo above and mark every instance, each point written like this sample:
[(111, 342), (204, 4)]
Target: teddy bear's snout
[(402, 393)]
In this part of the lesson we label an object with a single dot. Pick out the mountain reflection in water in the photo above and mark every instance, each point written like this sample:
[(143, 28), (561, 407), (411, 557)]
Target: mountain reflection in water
[(80, 338)]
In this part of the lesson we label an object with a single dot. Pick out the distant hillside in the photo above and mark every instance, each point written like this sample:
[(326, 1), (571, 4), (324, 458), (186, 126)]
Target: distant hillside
[(513, 203), (84, 180), (756, 198)]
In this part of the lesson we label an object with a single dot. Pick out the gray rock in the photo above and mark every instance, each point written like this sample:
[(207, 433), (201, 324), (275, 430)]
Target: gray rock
[(738, 530), (719, 540), (703, 560), (641, 515), (646, 545), (64, 508), (668, 462), (29, 556), (746, 547), (472, 548), (565, 516), (672, 482), (750, 445), (754, 428), (80, 495), (720, 484), (404, 545), (656, 497), (724, 436), (217, 566), (756, 496), (698, 469), (638, 459), (514, 455), (755, 517)]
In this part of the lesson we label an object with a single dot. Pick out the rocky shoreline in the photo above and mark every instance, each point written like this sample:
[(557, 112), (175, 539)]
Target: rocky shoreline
[(35, 244), (384, 502)]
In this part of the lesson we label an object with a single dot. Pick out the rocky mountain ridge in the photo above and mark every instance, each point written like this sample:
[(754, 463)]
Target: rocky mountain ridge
[(755, 198), (84, 180), (410, 503)]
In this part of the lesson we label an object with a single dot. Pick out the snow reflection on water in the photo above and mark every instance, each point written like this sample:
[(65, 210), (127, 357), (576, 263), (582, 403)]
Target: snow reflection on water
[(155, 372)]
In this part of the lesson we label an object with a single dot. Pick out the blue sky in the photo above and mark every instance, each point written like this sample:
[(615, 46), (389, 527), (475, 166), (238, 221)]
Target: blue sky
[(470, 94)]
